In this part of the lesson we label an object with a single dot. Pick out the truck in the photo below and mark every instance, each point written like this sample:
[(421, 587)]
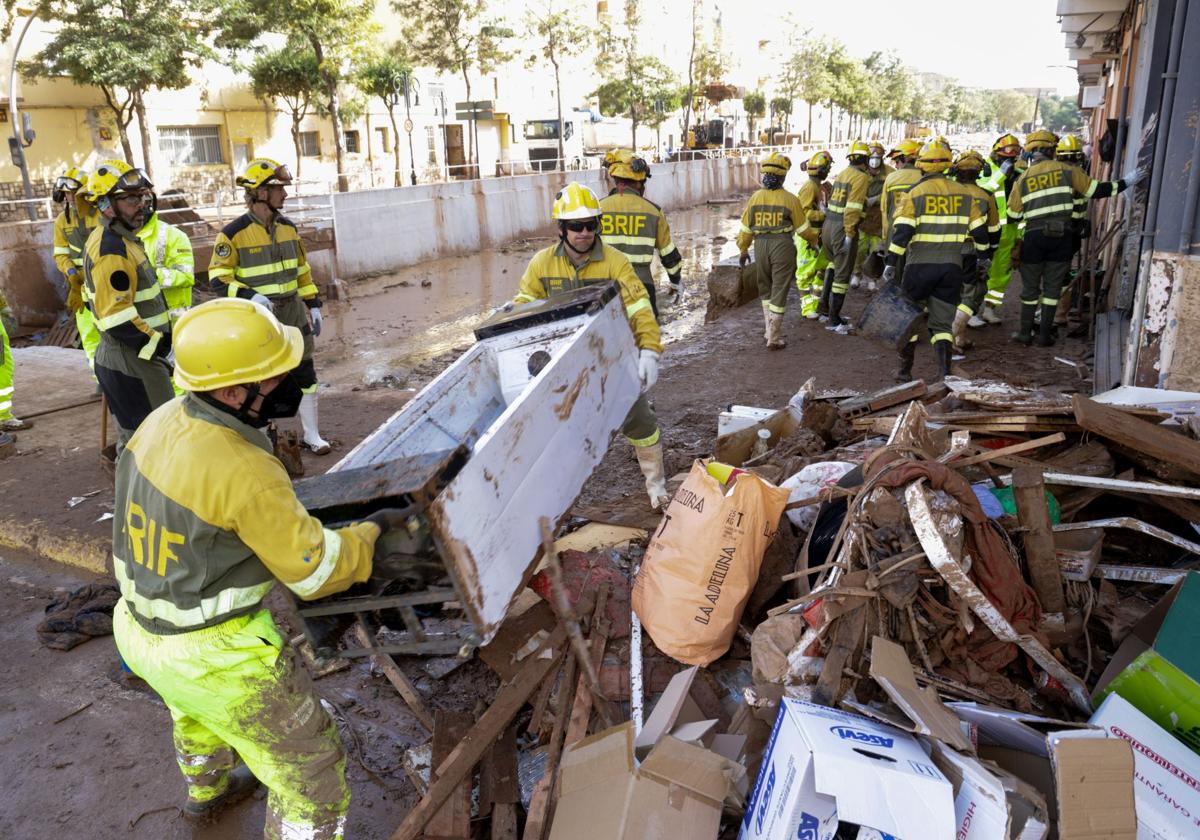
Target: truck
[(585, 135)]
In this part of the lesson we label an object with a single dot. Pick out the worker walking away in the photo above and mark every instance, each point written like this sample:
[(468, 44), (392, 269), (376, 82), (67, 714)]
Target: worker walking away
[(259, 256), (637, 227), (933, 220), (901, 180), (810, 258), (871, 229), (582, 259), (1043, 203), (72, 227), (9, 422), (126, 299), (205, 522), (839, 234), (1070, 151), (966, 170), (999, 174), (771, 218)]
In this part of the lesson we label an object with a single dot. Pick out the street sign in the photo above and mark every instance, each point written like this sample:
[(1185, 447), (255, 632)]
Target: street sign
[(408, 126), (482, 109)]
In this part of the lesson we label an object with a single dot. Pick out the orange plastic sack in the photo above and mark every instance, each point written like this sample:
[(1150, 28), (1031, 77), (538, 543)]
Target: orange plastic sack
[(703, 561)]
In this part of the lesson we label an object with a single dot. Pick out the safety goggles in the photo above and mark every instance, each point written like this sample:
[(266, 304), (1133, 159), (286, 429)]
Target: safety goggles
[(134, 179), (282, 176), (66, 184), (590, 225), (1009, 151)]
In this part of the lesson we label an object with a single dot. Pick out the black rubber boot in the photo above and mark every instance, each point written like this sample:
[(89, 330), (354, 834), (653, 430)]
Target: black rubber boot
[(241, 784), (826, 291), (907, 355), (942, 351), (835, 310), (1046, 331), (1025, 334)]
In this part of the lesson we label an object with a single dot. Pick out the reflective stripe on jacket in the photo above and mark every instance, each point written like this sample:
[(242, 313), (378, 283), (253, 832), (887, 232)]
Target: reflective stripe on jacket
[(123, 290), (250, 259), (1048, 191), (900, 181), (848, 200), (71, 235), (768, 212), (638, 229), (933, 221)]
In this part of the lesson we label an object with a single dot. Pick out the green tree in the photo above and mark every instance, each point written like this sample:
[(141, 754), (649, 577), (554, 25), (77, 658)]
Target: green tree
[(1060, 114), (806, 72), (755, 105), (781, 106), (632, 81), (386, 77), (559, 34), (126, 48), (1009, 110), (289, 74), (843, 86)]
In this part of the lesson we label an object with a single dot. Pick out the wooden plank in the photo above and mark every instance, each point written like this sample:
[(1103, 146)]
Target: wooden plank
[(1117, 485), (581, 713), (499, 790), (881, 399), (1009, 450), (541, 804), (453, 820), (471, 749), (344, 494), (847, 638), (1029, 492), (1137, 434), (395, 676)]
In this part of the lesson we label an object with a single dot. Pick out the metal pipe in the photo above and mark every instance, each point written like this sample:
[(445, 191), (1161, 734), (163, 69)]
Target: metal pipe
[(1188, 226), (19, 145)]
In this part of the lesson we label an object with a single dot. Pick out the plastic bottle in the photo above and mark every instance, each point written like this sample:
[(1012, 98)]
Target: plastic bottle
[(761, 446)]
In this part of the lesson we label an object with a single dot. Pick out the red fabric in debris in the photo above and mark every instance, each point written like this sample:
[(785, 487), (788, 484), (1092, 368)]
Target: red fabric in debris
[(584, 572), (992, 567)]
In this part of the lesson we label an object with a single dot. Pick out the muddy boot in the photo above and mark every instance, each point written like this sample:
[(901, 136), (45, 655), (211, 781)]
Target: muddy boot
[(826, 293), (15, 424), (835, 313), (775, 331), (904, 371), (989, 315), (241, 784), (942, 351), (961, 342), (766, 321), (1046, 331), (1025, 334), (650, 460)]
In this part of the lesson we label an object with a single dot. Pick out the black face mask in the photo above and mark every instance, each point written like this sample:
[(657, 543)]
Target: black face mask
[(282, 402)]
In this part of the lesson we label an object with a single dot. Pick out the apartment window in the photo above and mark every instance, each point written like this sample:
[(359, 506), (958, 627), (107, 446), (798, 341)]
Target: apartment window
[(190, 145), (352, 142), (310, 144), (382, 135), (431, 143)]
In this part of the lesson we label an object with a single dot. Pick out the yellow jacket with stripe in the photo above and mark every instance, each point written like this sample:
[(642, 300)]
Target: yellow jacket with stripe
[(205, 520), (170, 252), (551, 272), (897, 182), (848, 201), (987, 205), (1047, 191), (637, 228), (122, 289), (772, 211), (809, 196), (71, 230), (933, 222), (249, 259)]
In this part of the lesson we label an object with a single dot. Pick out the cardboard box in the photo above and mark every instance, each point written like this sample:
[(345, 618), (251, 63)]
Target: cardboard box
[(1093, 778), (990, 804), (676, 792), (678, 714), (1166, 787), (1157, 667), (823, 765)]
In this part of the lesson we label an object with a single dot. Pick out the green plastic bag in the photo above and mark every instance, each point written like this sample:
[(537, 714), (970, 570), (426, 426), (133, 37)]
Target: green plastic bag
[(1004, 495)]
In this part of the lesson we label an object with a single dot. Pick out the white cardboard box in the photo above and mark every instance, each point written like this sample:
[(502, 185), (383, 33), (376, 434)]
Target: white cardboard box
[(823, 765), (1166, 774)]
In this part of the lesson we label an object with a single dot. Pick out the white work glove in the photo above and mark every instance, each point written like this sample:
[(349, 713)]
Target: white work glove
[(982, 266), (1134, 177), (675, 289), (1007, 166), (263, 300), (648, 369), (873, 201), (504, 307), (317, 320), (171, 357), (889, 273), (847, 242)]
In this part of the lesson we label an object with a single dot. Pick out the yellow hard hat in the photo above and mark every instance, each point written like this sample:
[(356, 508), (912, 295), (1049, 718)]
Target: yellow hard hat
[(935, 156), (1006, 145), (615, 156), (819, 161), (910, 147), (261, 171), (72, 179), (113, 177), (575, 201), (631, 168), (231, 341), (969, 160), (776, 164), (876, 148), (1041, 140), (858, 147), (1069, 146)]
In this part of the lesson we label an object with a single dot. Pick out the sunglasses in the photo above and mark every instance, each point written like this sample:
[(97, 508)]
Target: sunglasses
[(591, 225)]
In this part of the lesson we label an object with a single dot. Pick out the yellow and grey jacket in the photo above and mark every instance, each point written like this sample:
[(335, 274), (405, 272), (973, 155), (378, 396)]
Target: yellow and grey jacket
[(637, 228), (809, 196), (122, 289), (170, 251), (872, 223), (933, 222), (71, 230), (551, 272), (206, 520), (848, 200), (1048, 190), (770, 212), (896, 184), (250, 259), (987, 205)]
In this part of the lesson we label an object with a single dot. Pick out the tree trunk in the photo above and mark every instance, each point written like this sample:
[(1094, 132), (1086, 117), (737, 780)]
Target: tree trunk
[(562, 164), (809, 136), (122, 121), (831, 123), (391, 109), (139, 107), (297, 116), (334, 103), (126, 146), (471, 128), (687, 106)]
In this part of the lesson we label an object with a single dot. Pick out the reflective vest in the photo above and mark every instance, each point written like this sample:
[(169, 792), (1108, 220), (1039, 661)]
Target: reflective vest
[(205, 520), (250, 259), (551, 272), (171, 252), (122, 290), (810, 198), (71, 235), (933, 221), (900, 181), (1049, 191), (638, 229), (771, 212), (996, 182), (848, 200), (987, 206)]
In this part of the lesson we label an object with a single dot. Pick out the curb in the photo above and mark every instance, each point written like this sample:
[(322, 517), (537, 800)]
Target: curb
[(81, 552)]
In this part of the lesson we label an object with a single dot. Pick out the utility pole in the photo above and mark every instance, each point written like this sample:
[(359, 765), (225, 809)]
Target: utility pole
[(23, 136), (409, 83)]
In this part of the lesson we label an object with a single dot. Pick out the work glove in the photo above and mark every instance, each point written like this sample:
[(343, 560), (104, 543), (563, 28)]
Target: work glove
[(389, 518), (262, 300), (743, 259), (675, 289), (1134, 177), (502, 308), (648, 369), (847, 242), (1014, 261), (314, 317), (982, 267), (74, 296), (1007, 166), (889, 273), (873, 201)]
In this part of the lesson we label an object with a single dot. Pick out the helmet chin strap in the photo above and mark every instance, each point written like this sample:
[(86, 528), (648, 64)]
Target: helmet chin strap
[(275, 211), (566, 240)]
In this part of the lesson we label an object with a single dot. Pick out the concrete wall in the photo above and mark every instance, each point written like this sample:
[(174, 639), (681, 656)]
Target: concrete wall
[(383, 230), (28, 276)]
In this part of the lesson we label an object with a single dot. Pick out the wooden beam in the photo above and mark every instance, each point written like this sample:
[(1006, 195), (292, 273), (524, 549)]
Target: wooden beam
[(1016, 448), (581, 713), (1135, 433), (499, 779), (470, 750), (453, 820), (395, 676), (541, 804), (1029, 491)]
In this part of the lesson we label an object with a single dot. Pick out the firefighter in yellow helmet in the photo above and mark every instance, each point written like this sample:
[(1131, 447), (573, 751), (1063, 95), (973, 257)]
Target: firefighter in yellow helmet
[(839, 234), (259, 256), (72, 227), (9, 422), (1070, 151), (638, 228), (810, 259), (999, 174), (123, 291), (934, 220), (967, 167), (205, 523), (871, 230), (771, 219), (1043, 204), (582, 259)]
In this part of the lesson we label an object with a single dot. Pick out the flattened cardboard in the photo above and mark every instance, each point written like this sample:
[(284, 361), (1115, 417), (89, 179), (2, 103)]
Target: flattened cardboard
[(990, 804), (674, 709), (891, 669), (1006, 728), (593, 785), (1093, 778)]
